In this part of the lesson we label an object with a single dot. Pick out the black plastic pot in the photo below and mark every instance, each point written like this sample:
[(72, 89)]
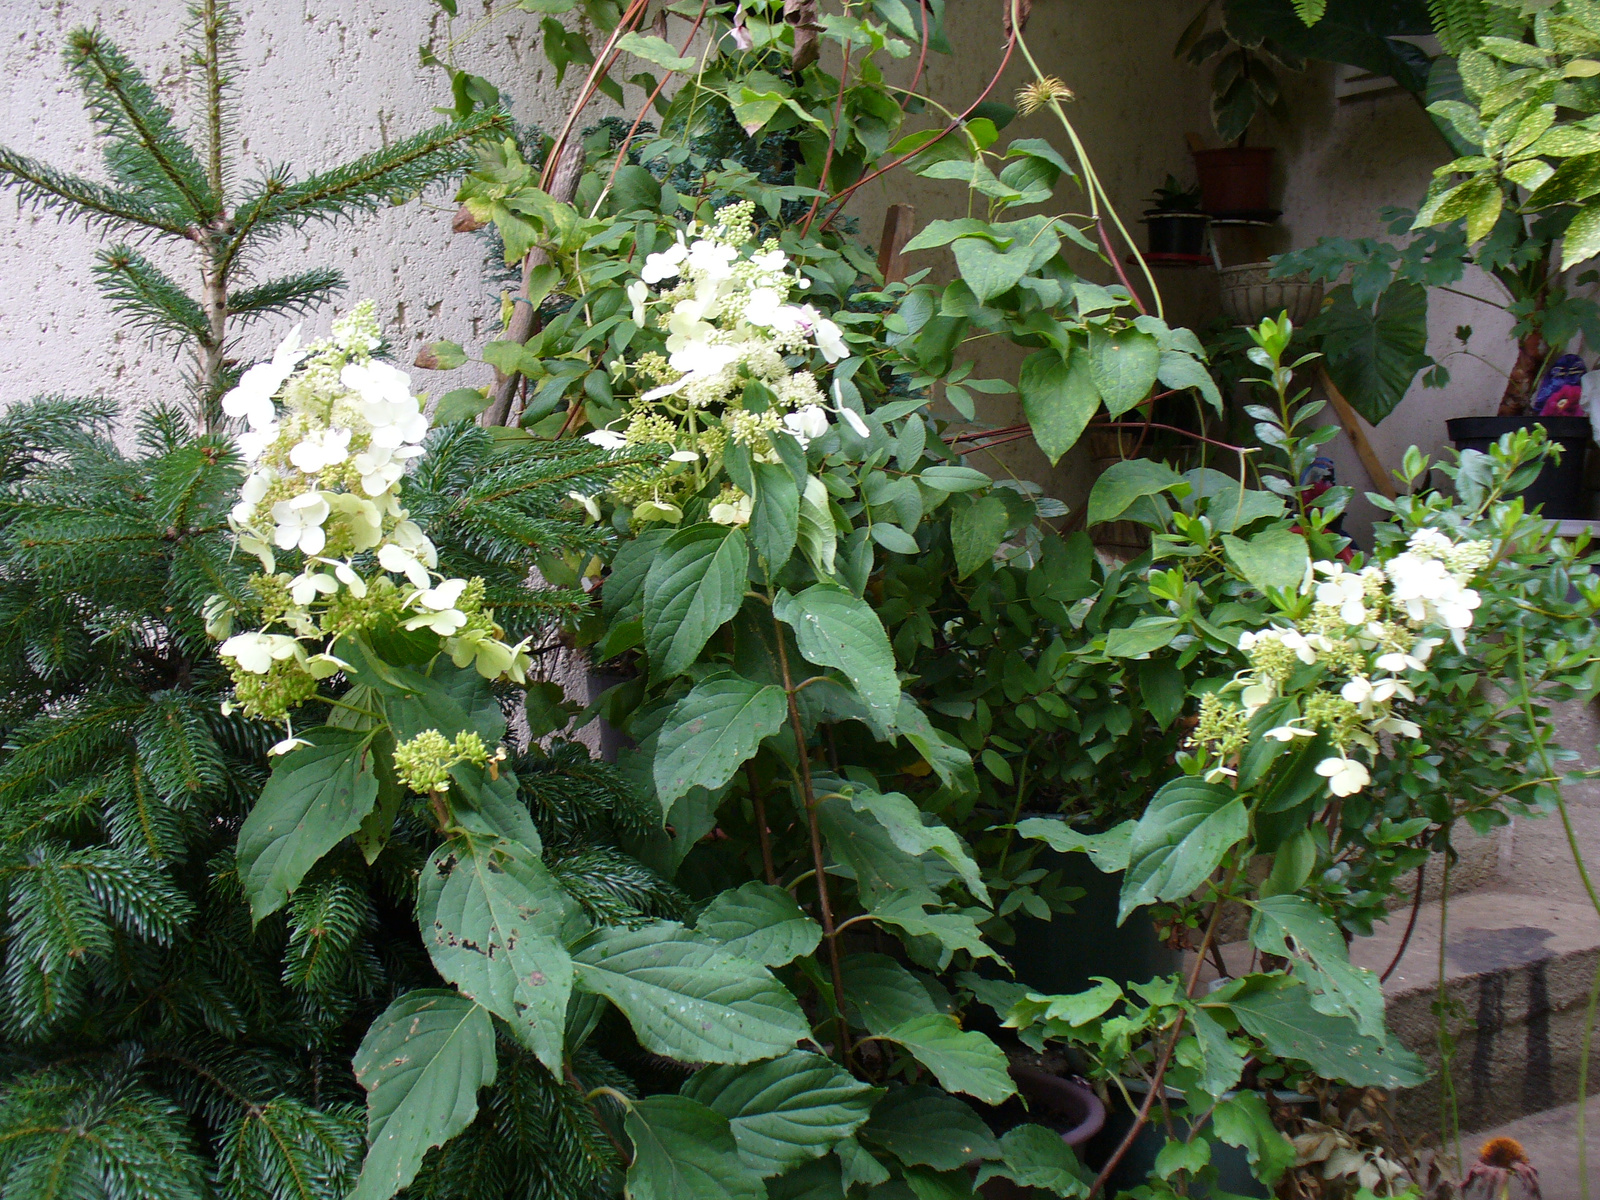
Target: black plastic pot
[(1060, 956), (1176, 232), (1558, 491), (1234, 1177)]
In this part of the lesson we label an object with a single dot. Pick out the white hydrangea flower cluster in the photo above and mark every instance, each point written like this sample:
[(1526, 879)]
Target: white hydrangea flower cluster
[(325, 482), (1366, 630), (729, 321)]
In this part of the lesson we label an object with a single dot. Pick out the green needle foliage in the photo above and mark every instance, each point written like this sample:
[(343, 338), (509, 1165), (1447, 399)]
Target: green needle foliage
[(152, 1042), (183, 191), (155, 1044)]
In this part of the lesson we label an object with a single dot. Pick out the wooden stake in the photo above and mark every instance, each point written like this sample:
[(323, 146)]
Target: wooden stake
[(1351, 422), (897, 225)]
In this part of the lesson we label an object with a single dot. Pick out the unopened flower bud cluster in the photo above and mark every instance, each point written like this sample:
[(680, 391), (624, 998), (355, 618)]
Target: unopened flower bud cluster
[(329, 433), (1349, 659), (423, 763), (729, 320)]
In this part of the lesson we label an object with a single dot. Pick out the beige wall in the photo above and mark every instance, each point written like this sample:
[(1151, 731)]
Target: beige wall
[(322, 80), (1341, 162)]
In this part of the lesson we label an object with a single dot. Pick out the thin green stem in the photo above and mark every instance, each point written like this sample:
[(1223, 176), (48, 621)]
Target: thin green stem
[(1449, 1114), (1092, 180), (1540, 741)]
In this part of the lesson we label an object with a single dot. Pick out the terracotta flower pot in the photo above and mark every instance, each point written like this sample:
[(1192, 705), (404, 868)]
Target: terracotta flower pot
[(1063, 1104), (1235, 181)]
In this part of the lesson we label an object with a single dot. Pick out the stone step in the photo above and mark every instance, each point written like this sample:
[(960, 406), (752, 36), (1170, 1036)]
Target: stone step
[(1550, 1139), (1518, 967)]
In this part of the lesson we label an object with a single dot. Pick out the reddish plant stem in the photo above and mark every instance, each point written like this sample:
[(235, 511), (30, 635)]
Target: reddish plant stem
[(650, 103), (1116, 263), (1013, 433), (1158, 1077), (602, 64), (1411, 924), (818, 860), (833, 139), (838, 199), (922, 55)]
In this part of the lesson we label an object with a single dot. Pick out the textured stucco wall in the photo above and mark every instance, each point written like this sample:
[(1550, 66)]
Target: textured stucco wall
[(324, 80), (319, 81)]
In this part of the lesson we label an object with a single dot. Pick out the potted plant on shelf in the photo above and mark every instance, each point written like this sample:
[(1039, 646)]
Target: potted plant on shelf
[(1176, 226), (1251, 42), (1520, 207)]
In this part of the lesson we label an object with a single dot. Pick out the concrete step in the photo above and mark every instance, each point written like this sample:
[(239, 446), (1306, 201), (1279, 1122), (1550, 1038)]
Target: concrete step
[(1550, 1139), (1517, 973)]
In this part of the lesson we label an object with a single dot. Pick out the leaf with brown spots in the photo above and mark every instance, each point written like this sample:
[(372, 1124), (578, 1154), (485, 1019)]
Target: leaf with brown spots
[(491, 917)]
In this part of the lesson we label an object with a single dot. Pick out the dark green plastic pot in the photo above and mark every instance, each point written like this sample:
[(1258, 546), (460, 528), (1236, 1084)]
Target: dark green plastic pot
[(1062, 955)]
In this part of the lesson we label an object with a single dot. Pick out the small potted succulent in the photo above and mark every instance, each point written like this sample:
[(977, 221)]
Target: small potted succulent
[(1174, 220)]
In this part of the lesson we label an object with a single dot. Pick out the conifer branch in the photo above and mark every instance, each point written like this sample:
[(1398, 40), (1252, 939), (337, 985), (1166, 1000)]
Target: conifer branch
[(152, 300), (137, 125), (290, 294), (48, 189), (362, 185)]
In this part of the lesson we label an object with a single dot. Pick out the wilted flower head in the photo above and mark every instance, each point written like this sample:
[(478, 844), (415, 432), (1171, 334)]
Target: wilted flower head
[(1041, 92)]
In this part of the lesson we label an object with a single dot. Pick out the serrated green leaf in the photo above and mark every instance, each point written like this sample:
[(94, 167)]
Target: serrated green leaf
[(1243, 1121), (1280, 1013), (317, 796), (681, 1148), (1124, 365), (882, 993), (949, 760), (818, 537), (835, 628), (922, 1126), (491, 918), (1109, 850), (692, 589), (760, 922), (460, 404), (713, 731), (785, 1111), (656, 50), (862, 850), (1224, 1062), (775, 514), (1033, 1156), (1187, 828), (447, 698), (1296, 928), (688, 998), (954, 931), (961, 1060), (857, 1164), (422, 1063), (911, 834)]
